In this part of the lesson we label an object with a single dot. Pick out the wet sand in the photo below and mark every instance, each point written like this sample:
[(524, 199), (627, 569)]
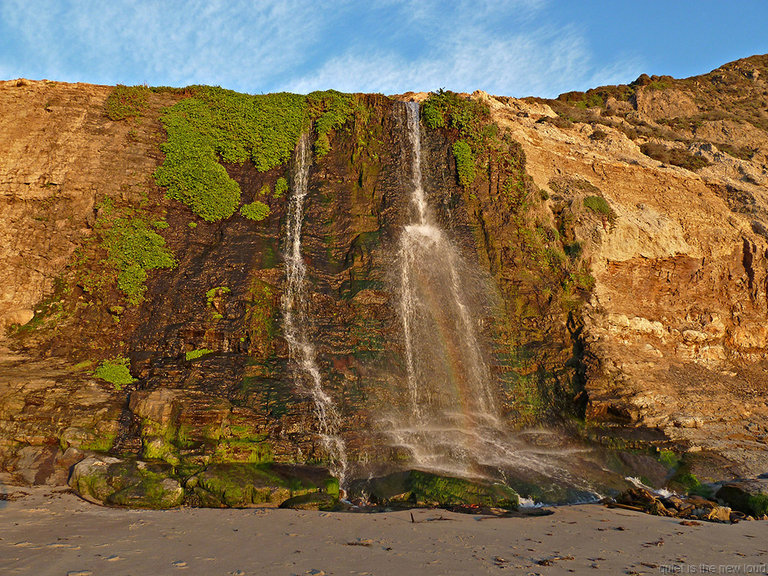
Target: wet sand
[(48, 532)]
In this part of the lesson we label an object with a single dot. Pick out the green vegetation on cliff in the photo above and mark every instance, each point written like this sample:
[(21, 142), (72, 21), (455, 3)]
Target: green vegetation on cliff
[(446, 109), (116, 371), (216, 125), (198, 353), (546, 283), (465, 163), (332, 110), (126, 102), (256, 211), (134, 248)]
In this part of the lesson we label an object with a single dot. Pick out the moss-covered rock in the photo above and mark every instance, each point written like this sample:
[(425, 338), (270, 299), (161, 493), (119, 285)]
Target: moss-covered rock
[(414, 488), (242, 484), (311, 501), (134, 483), (748, 496)]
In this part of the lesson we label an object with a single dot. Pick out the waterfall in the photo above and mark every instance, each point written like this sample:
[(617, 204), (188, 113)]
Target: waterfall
[(295, 310), (448, 420), (448, 382)]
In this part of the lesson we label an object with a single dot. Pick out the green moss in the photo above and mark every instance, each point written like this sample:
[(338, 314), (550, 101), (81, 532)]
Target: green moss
[(115, 371), (260, 321), (48, 313), (332, 110), (256, 211), (243, 484), (216, 292), (195, 354), (253, 450), (281, 187), (126, 102), (465, 163), (102, 443), (423, 489), (669, 459), (148, 489), (133, 248), (758, 503)]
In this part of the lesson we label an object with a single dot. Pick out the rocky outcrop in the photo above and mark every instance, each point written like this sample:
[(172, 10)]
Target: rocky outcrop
[(617, 240), (675, 328)]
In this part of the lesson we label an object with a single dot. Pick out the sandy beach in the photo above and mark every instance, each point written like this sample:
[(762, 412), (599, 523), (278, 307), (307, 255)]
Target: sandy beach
[(47, 532)]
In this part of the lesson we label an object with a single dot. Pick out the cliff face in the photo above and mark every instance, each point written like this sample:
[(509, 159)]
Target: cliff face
[(621, 292)]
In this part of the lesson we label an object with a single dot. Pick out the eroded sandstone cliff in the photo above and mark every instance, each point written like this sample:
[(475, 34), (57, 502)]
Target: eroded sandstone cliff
[(624, 298)]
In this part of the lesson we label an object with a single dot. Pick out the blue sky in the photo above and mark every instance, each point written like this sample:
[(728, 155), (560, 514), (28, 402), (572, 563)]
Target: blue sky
[(510, 47)]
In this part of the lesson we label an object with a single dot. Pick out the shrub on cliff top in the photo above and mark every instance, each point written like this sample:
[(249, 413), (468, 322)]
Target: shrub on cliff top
[(219, 124), (447, 109), (471, 119), (126, 102), (332, 110), (216, 125)]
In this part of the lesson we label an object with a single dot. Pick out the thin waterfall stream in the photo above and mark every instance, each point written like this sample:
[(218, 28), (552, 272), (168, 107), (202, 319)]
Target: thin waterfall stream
[(296, 317)]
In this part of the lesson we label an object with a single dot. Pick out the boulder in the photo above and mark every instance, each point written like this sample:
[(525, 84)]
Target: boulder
[(414, 488), (719, 514), (46, 465), (747, 496), (243, 484), (311, 501), (135, 483)]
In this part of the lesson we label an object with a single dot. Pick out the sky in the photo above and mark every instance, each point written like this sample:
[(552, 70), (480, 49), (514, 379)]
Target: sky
[(505, 47)]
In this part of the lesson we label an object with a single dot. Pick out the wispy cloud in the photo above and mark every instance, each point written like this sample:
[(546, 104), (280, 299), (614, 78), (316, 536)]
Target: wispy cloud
[(213, 41), (476, 46), (502, 46)]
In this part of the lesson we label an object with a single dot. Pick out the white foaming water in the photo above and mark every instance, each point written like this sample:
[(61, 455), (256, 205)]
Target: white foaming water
[(637, 483), (450, 424), (450, 401), (301, 350)]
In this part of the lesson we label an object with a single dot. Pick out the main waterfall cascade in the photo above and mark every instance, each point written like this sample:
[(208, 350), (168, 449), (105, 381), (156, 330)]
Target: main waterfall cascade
[(447, 419), (296, 317), (451, 423), (448, 381)]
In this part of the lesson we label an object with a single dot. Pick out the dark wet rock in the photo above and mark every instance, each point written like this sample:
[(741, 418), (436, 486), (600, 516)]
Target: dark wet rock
[(414, 488), (747, 496), (311, 501)]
